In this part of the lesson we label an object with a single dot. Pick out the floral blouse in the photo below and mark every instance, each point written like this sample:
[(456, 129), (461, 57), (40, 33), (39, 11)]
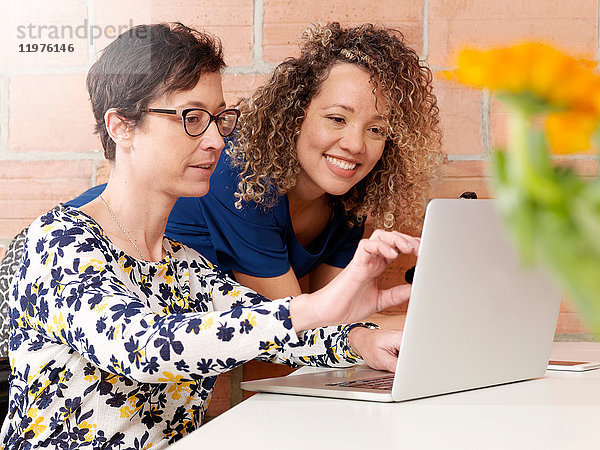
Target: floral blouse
[(109, 351)]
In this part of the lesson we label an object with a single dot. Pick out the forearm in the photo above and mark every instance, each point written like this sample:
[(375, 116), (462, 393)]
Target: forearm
[(324, 347), (271, 287)]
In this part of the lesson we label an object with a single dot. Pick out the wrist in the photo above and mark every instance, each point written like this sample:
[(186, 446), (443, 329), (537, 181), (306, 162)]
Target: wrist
[(356, 337)]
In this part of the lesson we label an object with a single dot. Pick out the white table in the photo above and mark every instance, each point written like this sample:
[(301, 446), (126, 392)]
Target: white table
[(559, 411)]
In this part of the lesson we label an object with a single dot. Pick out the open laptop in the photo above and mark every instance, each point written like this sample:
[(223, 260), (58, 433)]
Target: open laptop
[(477, 317)]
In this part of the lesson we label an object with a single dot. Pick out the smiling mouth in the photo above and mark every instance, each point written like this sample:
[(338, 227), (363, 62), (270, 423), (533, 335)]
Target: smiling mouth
[(340, 164)]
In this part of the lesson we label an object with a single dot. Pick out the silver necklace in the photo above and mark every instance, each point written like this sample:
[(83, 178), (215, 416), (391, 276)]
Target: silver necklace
[(121, 227)]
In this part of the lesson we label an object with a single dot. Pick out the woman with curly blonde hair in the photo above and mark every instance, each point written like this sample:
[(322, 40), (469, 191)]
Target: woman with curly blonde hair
[(346, 129)]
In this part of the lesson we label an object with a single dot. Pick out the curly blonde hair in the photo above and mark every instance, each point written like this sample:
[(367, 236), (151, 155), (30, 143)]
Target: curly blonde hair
[(395, 191)]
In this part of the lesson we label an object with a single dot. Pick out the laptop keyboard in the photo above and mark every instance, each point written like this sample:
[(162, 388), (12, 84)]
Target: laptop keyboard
[(380, 384)]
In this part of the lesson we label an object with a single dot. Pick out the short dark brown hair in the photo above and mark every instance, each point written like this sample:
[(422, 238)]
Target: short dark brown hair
[(143, 63)]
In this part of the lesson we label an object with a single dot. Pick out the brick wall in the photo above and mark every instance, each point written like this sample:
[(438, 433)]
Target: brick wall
[(48, 153)]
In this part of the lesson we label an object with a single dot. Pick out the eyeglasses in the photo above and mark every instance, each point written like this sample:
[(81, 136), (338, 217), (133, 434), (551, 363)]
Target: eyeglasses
[(197, 120)]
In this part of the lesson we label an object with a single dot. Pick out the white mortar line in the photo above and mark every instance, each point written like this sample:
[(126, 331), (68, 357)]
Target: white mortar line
[(258, 17), (259, 66), (94, 177), (48, 71), (425, 26), (467, 157), (92, 21), (51, 156), (255, 69), (485, 122), (482, 157)]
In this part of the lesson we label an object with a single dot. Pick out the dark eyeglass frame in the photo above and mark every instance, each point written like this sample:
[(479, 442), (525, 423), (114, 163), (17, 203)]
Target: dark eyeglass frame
[(184, 112)]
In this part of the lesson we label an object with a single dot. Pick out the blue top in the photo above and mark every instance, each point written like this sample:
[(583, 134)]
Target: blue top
[(254, 240)]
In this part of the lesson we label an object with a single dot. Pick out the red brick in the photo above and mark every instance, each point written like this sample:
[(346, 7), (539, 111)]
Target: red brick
[(475, 169), (587, 168), (23, 170), (498, 124), (50, 190), (461, 176), (9, 228), (221, 399), (237, 86), (460, 117), (43, 23), (284, 21), (50, 113), (24, 208), (566, 305), (29, 188), (571, 324), (454, 187), (230, 20), (571, 25)]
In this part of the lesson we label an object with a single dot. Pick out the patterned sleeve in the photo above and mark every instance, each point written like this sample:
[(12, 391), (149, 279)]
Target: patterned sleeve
[(326, 346), (70, 291)]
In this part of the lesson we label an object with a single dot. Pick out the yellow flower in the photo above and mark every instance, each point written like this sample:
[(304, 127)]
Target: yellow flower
[(162, 270), (124, 266), (125, 412), (208, 323), (535, 68), (96, 264), (58, 326), (91, 430), (268, 345), (541, 81), (252, 319), (170, 378), (100, 307), (37, 426), (90, 378), (570, 131), (183, 302)]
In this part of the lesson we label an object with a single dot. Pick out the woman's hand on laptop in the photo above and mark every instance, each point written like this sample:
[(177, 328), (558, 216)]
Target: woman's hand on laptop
[(378, 348), (354, 295)]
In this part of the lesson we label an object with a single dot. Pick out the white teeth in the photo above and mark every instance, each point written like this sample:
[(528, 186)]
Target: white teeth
[(207, 166), (340, 164)]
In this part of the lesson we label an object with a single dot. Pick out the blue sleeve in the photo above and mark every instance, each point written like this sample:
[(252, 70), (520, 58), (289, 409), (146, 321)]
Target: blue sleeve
[(250, 240), (87, 196), (345, 252)]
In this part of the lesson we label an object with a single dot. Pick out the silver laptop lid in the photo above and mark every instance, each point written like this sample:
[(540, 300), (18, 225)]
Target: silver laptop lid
[(477, 316)]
